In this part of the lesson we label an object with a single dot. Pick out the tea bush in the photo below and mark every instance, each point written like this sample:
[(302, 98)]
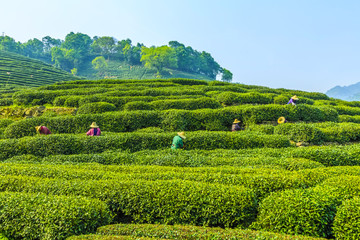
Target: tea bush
[(96, 107), (190, 232), (261, 180), (172, 120), (75, 144), (301, 132), (231, 98), (42, 216), (346, 223), (300, 211), (348, 118), (170, 202)]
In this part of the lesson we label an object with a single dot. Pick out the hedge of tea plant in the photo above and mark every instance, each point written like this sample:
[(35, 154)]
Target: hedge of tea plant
[(189, 232), (170, 201), (42, 216)]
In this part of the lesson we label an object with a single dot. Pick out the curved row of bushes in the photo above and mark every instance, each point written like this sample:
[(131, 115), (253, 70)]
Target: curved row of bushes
[(170, 202), (42, 216), (76, 144), (261, 181), (189, 158), (315, 133), (141, 88), (156, 231), (119, 102), (172, 120), (322, 211)]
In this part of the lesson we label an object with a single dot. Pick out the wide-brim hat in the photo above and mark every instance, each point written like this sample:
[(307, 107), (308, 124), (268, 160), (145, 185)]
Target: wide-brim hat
[(37, 128), (94, 125), (295, 97), (281, 120), (181, 134), (236, 121)]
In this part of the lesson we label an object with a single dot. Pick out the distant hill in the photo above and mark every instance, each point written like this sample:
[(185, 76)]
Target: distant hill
[(17, 70), (349, 93)]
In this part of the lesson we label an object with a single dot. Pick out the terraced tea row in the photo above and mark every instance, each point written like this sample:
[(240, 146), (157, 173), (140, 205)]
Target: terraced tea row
[(172, 120), (18, 70)]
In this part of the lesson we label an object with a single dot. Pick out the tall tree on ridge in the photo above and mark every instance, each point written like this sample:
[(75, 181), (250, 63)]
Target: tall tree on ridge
[(158, 58)]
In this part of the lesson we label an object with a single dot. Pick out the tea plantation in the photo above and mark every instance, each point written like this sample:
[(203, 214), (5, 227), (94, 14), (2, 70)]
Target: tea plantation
[(17, 70), (295, 180)]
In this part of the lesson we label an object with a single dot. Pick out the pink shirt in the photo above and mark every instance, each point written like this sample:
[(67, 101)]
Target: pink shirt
[(91, 132), (44, 130)]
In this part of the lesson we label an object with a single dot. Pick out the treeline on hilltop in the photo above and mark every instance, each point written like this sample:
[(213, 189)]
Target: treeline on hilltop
[(78, 50)]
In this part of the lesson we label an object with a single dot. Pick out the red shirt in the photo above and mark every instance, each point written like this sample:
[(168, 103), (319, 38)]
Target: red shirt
[(91, 132), (44, 130)]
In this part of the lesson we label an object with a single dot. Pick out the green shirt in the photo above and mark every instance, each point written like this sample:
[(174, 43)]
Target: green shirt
[(177, 143)]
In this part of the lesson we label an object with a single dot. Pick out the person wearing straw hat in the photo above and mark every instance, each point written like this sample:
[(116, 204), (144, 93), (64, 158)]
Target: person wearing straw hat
[(42, 130), (293, 100), (235, 126), (281, 120), (94, 131), (177, 142)]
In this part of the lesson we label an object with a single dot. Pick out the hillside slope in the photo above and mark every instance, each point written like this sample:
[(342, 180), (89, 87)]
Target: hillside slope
[(122, 70), (17, 70)]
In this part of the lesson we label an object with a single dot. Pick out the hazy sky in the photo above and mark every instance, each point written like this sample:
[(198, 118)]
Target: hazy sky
[(310, 45)]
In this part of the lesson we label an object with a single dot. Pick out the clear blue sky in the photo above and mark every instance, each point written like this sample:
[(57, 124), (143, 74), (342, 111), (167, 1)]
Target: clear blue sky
[(310, 45)]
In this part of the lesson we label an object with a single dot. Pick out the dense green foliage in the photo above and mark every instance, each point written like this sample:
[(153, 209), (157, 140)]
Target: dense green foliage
[(19, 70), (78, 53), (268, 180), (188, 232), (57, 217)]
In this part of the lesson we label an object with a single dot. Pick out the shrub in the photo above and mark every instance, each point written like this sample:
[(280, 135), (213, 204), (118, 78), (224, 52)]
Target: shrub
[(348, 118), (281, 99), (300, 211), (5, 122), (96, 107), (109, 237), (112, 121), (331, 155), (71, 101), (138, 105), (171, 202), (230, 98), (300, 132), (42, 216), (72, 144), (345, 110), (190, 232), (262, 181), (346, 223), (172, 120), (188, 104), (150, 130), (6, 102)]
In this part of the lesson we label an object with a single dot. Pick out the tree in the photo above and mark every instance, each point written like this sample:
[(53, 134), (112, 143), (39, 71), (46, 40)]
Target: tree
[(49, 43), (120, 45), (33, 48), (63, 58), (104, 46), (158, 58), (132, 54), (74, 71), (8, 44), (226, 75), (100, 64), (208, 66), (183, 56), (80, 44)]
